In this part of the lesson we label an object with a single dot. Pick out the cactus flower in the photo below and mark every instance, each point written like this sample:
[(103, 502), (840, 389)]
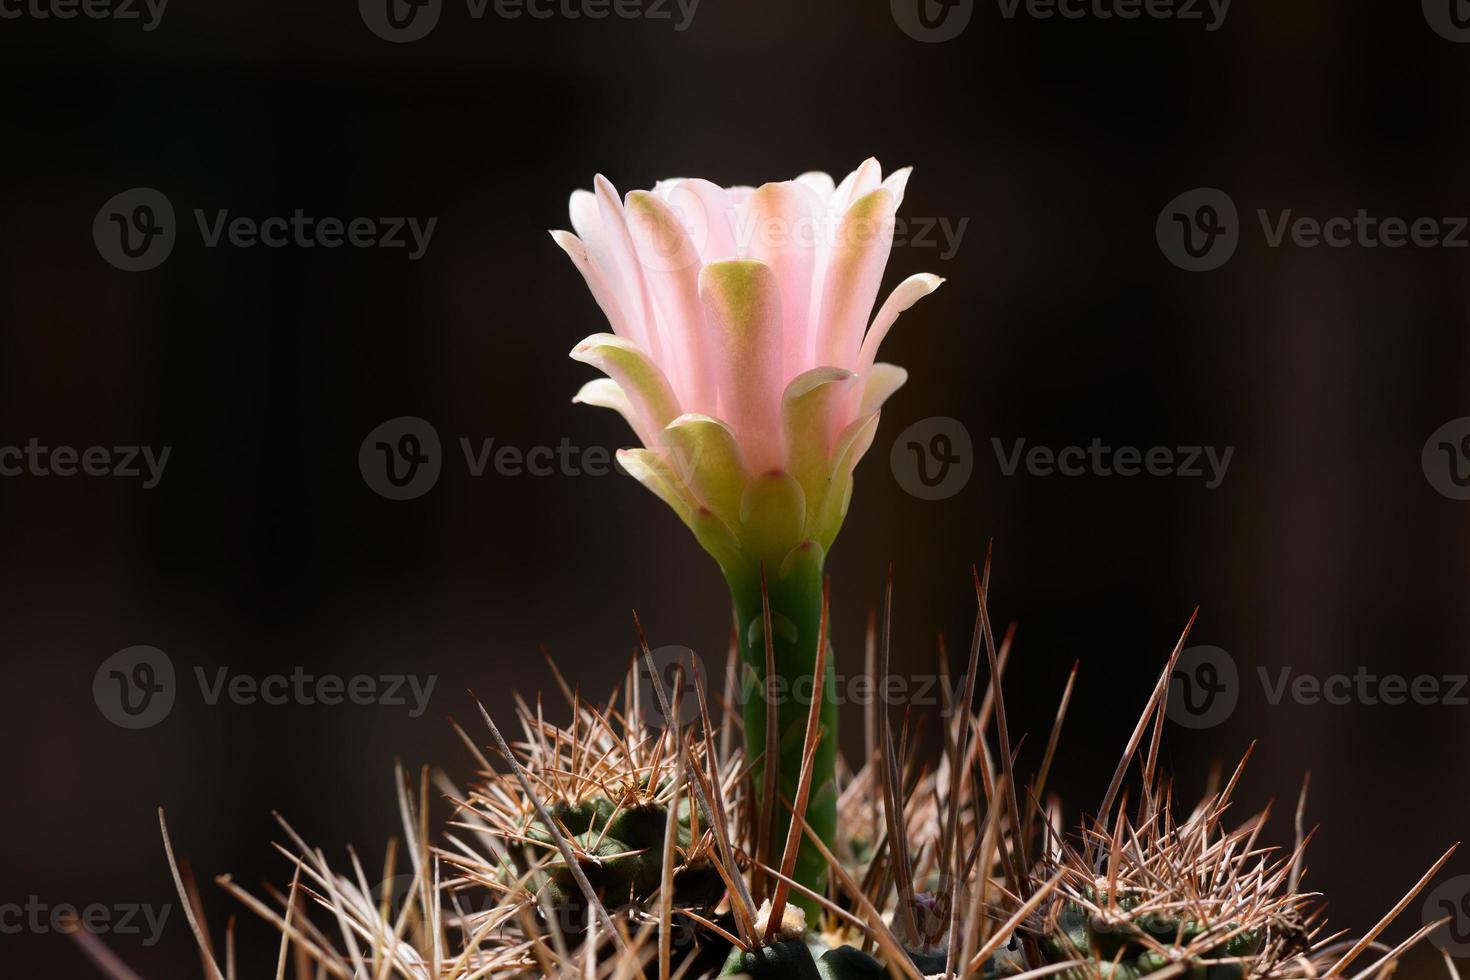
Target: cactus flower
[(743, 357)]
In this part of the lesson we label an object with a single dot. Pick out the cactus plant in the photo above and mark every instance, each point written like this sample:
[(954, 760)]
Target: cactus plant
[(625, 843)]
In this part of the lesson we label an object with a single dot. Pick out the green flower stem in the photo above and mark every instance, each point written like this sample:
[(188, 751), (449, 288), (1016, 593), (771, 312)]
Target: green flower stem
[(795, 595)]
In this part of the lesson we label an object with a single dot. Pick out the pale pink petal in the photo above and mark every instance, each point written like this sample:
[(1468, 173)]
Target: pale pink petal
[(854, 273), (813, 410), (587, 223), (852, 445), (896, 183), (819, 182), (709, 216), (671, 270), (881, 382), (742, 303), (650, 469), (636, 301), (784, 221), (605, 393), (863, 181), (908, 292), (603, 291), (649, 396)]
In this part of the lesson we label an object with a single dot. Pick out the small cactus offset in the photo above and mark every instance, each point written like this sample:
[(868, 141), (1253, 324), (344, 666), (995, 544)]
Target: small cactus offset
[(622, 841)]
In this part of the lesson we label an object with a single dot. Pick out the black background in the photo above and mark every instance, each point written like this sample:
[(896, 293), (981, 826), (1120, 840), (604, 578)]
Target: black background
[(1326, 549)]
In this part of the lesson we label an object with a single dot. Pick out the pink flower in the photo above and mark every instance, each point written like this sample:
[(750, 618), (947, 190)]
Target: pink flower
[(741, 353)]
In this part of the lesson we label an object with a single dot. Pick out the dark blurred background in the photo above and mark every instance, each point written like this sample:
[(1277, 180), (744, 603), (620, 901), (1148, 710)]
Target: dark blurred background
[(1326, 549)]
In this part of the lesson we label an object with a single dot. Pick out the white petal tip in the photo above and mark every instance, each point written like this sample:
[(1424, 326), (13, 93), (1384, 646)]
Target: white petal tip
[(693, 418)]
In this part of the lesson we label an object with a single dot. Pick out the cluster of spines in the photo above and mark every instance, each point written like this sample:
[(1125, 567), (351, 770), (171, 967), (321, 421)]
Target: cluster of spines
[(618, 848)]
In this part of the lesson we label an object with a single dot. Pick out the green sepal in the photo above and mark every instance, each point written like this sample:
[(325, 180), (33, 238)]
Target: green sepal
[(772, 516)]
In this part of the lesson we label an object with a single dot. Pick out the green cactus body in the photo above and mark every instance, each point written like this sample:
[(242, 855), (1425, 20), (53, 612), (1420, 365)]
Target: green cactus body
[(929, 961), (624, 858), (847, 963), (581, 816), (698, 884), (1123, 947), (788, 960), (603, 868), (1070, 939)]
